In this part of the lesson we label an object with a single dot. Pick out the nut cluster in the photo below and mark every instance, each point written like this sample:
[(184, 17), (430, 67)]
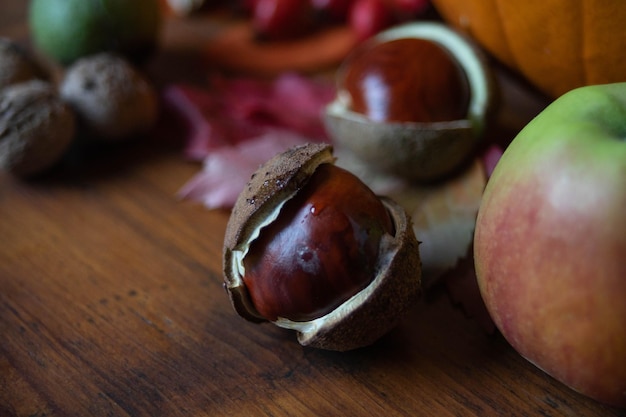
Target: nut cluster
[(100, 97)]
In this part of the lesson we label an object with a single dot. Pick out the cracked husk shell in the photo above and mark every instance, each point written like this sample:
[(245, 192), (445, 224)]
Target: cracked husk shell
[(418, 151), (363, 318)]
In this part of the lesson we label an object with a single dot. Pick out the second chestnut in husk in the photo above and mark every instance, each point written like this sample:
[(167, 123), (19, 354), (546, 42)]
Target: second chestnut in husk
[(413, 101)]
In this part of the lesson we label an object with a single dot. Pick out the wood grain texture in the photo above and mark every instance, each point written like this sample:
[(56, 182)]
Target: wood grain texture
[(111, 304)]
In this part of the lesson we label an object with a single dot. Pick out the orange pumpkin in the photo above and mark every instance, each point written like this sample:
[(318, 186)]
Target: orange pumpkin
[(557, 45)]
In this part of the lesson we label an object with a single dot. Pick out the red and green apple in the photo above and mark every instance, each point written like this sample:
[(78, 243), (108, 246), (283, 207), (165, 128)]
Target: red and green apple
[(550, 242)]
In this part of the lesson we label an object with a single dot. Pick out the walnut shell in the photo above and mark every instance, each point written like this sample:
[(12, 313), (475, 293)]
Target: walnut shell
[(16, 65), (363, 318), (111, 98), (36, 127)]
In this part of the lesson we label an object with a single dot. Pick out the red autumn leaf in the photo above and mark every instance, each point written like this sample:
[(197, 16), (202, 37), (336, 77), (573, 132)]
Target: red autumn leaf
[(237, 123), (231, 111), (226, 170)]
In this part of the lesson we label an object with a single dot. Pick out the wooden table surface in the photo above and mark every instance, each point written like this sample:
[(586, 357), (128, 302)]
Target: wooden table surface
[(111, 304)]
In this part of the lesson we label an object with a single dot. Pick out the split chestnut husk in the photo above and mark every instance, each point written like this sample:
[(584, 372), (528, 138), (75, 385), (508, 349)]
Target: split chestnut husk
[(426, 148), (343, 226)]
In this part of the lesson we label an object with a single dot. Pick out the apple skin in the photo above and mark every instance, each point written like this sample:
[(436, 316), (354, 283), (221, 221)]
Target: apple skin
[(550, 242)]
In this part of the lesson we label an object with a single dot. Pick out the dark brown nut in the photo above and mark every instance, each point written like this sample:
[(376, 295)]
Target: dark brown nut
[(309, 247), (36, 127), (406, 80), (16, 64), (424, 113), (111, 98)]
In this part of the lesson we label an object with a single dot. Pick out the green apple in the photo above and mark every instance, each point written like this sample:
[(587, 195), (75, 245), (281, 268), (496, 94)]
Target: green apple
[(67, 30), (550, 242)]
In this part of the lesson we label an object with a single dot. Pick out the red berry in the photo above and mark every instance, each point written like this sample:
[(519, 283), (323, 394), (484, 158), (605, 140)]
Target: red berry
[(335, 9), (409, 7), (404, 10), (248, 6), (368, 17), (282, 19)]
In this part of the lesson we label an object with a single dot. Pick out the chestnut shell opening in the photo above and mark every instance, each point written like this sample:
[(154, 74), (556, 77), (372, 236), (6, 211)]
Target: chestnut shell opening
[(419, 151), (364, 317)]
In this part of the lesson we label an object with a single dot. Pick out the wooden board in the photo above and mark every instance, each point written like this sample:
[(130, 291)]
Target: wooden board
[(111, 304)]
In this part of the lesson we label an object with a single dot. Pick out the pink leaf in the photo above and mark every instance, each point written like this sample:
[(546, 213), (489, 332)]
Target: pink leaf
[(234, 110), (196, 110), (227, 170)]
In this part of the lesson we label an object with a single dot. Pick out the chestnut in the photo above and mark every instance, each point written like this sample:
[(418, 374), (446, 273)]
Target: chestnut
[(406, 80), (310, 247), (413, 101)]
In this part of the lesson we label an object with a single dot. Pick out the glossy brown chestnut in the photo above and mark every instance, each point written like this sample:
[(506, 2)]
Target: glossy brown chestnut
[(406, 80), (321, 251), (309, 247)]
